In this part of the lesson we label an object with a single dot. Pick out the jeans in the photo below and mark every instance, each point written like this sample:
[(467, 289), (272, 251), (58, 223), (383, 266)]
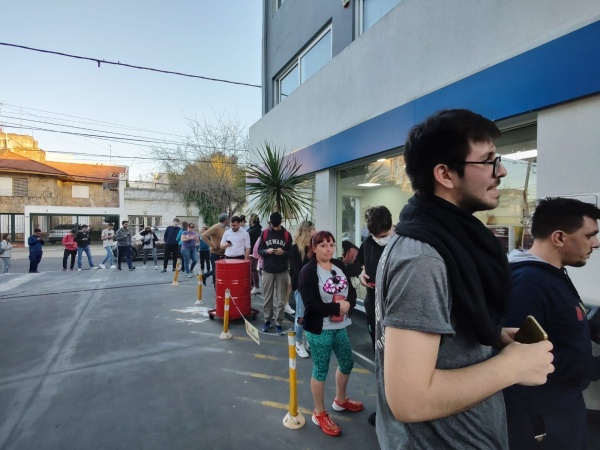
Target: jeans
[(299, 313), (87, 251), (66, 254), (6, 261), (153, 251), (124, 250), (34, 260), (109, 255), (213, 259), (189, 253)]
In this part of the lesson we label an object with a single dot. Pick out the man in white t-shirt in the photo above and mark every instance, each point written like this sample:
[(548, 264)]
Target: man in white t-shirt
[(108, 239), (236, 241)]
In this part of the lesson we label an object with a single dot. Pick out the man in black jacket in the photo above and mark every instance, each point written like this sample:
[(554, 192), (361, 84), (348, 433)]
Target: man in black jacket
[(171, 244), (565, 232), (275, 251), (83, 245)]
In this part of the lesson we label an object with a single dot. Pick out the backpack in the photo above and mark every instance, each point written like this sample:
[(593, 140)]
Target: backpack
[(288, 237)]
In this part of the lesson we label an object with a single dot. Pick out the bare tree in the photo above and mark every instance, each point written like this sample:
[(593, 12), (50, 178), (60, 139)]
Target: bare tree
[(206, 169)]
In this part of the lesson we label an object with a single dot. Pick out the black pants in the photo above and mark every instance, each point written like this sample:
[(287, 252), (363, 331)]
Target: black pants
[(235, 257), (171, 250), (213, 259), (370, 312), (34, 260), (73, 254), (124, 250), (205, 258)]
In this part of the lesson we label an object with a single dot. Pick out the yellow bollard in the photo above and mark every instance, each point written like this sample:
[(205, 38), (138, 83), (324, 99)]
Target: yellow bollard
[(175, 282), (199, 301), (226, 334), (293, 419)]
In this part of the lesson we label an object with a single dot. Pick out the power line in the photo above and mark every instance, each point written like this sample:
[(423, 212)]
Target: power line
[(102, 61)]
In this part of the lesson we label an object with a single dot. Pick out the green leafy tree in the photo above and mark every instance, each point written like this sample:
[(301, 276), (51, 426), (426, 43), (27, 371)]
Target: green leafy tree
[(274, 185)]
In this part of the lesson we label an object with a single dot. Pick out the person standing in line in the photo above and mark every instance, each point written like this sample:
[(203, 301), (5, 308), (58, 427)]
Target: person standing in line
[(212, 237), (565, 233), (70, 249), (379, 224), (35, 243), (204, 253), (328, 297), (123, 238), (184, 227), (441, 297), (149, 239), (298, 259), (254, 232), (189, 240), (83, 245), (6, 254), (275, 247), (108, 238), (171, 245), (236, 241)]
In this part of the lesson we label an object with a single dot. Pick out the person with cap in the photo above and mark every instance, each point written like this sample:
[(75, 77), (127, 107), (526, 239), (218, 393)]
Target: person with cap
[(212, 237), (275, 248)]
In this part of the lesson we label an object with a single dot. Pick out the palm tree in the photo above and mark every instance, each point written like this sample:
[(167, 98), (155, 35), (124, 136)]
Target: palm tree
[(275, 186)]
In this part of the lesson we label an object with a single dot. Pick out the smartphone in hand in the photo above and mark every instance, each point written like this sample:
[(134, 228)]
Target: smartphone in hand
[(531, 332)]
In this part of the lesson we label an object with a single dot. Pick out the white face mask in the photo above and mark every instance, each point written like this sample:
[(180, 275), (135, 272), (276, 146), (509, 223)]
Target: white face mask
[(383, 240)]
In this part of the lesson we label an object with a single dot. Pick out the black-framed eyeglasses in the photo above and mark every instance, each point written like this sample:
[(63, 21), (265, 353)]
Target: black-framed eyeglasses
[(495, 163), (334, 278)]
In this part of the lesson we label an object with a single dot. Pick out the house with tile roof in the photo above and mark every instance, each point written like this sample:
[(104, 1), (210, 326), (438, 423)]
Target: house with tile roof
[(35, 192)]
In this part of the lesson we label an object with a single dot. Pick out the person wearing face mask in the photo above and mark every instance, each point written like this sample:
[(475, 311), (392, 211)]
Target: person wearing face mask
[(379, 224)]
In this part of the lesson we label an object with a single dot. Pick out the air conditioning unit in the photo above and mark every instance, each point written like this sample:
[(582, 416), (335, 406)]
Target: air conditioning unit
[(110, 186)]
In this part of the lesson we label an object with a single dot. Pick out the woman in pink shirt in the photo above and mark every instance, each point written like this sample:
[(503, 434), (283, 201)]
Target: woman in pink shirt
[(70, 249)]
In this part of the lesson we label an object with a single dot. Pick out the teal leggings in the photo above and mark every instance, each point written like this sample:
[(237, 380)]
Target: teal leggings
[(321, 346)]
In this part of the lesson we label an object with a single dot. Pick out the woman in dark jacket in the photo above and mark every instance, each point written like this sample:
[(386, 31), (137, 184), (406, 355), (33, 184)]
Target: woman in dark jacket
[(328, 298), (254, 232)]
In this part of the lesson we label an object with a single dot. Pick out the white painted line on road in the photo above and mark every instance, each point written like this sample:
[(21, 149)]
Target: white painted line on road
[(364, 358)]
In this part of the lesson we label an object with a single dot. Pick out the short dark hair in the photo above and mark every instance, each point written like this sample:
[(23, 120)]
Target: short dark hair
[(318, 237), (37, 230), (124, 222), (443, 138), (558, 213), (236, 219), (379, 219), (175, 219), (73, 231)]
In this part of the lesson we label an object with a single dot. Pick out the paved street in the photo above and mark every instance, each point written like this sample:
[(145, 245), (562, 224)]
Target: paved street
[(123, 360)]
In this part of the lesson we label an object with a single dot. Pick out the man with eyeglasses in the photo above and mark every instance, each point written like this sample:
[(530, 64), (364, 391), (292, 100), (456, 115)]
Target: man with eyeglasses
[(442, 292)]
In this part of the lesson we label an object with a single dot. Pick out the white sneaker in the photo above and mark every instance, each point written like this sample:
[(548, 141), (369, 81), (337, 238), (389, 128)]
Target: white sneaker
[(102, 266), (301, 351), (288, 309), (113, 267), (255, 291), (79, 269), (155, 267), (93, 268), (144, 267)]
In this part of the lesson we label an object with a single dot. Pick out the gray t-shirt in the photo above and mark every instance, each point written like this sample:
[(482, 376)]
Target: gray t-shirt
[(414, 278)]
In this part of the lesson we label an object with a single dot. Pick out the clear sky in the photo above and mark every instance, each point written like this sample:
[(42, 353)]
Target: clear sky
[(208, 38)]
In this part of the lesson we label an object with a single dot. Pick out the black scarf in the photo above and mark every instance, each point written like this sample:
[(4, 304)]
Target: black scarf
[(476, 263)]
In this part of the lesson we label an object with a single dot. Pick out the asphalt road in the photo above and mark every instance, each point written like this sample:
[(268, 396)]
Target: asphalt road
[(124, 360)]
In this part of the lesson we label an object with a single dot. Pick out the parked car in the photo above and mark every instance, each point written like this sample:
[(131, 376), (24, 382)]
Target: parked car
[(57, 233), (138, 243)]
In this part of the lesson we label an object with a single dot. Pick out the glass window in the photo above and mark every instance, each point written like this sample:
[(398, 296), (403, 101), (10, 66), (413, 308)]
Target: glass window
[(288, 83), (370, 11), (315, 58), (316, 54), (6, 186)]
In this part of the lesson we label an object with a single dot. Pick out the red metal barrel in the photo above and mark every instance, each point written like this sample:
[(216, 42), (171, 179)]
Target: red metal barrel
[(233, 274)]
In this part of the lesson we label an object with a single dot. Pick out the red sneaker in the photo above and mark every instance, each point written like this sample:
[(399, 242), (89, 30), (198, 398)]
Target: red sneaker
[(327, 425), (350, 405)]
